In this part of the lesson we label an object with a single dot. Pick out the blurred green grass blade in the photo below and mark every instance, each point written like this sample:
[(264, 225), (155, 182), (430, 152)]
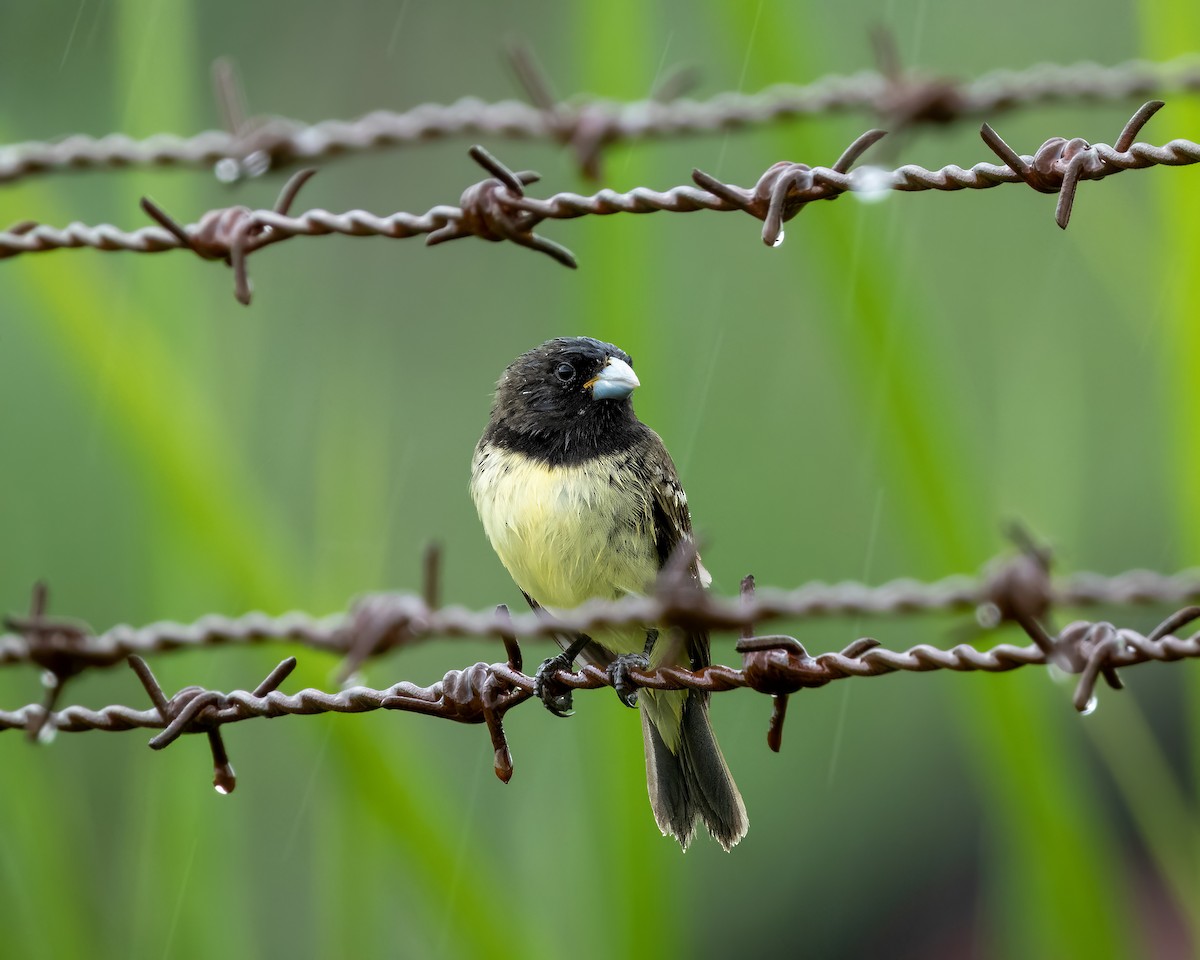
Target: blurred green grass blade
[(154, 399), (1169, 28), (1050, 856), (425, 836), (157, 69), (32, 859), (923, 445), (1155, 798), (121, 346), (198, 481), (924, 442), (927, 448)]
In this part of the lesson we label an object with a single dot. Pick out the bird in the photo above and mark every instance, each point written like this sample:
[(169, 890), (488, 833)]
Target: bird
[(580, 500)]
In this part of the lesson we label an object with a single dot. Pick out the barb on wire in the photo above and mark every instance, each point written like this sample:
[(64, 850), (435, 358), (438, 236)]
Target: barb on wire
[(1060, 164), (786, 187), (55, 645), (229, 234), (252, 146), (498, 208), (196, 710), (586, 128), (909, 99), (257, 144), (488, 211)]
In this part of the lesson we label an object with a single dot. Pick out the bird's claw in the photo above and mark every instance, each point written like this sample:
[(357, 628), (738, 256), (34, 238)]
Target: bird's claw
[(555, 696), (618, 676)]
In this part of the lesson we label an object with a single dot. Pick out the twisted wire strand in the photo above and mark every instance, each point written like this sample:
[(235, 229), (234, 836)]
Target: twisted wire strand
[(789, 667), (277, 143), (1086, 80), (1130, 587), (402, 619), (312, 223), (241, 705), (824, 183), (114, 645)]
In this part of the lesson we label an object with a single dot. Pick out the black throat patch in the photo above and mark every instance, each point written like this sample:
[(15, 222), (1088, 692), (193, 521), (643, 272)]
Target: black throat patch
[(598, 428)]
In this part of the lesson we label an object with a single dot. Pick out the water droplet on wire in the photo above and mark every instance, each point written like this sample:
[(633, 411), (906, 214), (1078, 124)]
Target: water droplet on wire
[(227, 170), (1090, 707), (48, 732), (871, 184), (49, 679), (987, 615), (778, 242), (257, 163)]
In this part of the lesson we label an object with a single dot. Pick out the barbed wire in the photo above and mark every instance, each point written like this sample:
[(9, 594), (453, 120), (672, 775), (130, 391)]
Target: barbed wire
[(251, 146), (498, 208), (1016, 590)]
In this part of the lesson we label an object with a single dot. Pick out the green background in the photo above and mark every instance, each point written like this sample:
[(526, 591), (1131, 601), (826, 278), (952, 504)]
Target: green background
[(873, 399)]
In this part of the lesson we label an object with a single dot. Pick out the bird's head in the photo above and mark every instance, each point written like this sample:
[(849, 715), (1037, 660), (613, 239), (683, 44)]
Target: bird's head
[(572, 392)]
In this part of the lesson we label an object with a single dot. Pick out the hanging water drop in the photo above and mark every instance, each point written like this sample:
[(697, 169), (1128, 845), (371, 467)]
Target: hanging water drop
[(224, 779), (778, 241), (49, 679), (1090, 707), (48, 732)]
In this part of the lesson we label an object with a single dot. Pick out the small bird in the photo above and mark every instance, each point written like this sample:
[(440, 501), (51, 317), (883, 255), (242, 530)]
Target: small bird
[(580, 500)]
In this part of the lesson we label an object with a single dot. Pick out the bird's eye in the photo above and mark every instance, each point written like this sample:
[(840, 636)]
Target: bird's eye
[(565, 372)]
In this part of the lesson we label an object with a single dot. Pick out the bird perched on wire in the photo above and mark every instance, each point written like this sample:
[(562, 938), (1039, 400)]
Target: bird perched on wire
[(580, 500)]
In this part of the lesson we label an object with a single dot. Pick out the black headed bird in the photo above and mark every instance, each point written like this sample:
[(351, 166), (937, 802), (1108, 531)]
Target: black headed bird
[(580, 500)]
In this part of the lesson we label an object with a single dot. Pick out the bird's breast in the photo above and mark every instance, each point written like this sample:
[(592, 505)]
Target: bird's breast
[(567, 534)]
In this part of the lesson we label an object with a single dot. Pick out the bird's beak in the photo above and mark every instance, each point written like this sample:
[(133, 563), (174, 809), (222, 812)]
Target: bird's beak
[(615, 382)]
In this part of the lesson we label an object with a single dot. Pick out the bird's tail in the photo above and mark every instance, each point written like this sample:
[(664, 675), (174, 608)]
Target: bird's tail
[(689, 778)]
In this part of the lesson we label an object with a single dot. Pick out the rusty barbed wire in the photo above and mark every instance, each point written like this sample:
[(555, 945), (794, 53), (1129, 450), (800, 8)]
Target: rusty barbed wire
[(252, 146), (499, 208), (774, 665)]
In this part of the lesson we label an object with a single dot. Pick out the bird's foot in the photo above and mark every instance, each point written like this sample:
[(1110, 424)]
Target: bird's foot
[(555, 696), (618, 676)]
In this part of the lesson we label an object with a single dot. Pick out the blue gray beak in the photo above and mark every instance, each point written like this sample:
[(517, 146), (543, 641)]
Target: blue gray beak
[(615, 382)]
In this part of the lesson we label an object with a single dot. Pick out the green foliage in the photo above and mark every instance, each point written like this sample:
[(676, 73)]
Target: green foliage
[(872, 399)]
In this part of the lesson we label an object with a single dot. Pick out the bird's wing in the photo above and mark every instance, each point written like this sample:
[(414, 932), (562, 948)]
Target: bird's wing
[(672, 525)]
